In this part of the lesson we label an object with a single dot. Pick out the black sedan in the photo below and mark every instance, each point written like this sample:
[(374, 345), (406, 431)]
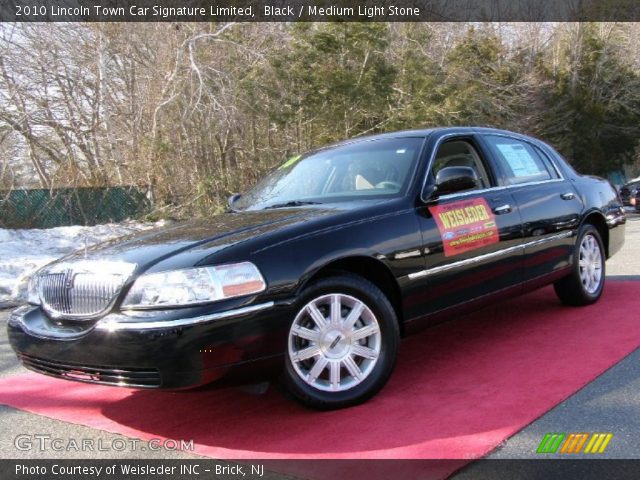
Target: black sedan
[(634, 200), (318, 271), (628, 193)]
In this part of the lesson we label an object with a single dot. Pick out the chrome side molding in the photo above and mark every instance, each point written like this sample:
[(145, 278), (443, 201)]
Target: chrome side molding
[(487, 256)]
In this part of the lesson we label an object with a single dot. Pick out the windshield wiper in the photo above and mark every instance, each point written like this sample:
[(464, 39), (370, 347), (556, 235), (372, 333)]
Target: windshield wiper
[(292, 203)]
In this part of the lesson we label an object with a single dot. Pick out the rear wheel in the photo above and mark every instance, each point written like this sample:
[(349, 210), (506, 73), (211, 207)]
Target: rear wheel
[(342, 343), (585, 283)]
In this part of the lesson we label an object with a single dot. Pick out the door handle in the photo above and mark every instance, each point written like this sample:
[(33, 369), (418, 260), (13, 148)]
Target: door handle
[(502, 209), (568, 196)]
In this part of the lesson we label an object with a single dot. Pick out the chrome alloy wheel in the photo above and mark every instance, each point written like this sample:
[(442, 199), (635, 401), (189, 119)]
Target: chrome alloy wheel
[(590, 263), (334, 342)]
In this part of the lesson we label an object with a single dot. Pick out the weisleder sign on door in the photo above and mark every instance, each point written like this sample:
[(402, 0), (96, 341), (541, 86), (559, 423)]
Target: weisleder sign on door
[(465, 225)]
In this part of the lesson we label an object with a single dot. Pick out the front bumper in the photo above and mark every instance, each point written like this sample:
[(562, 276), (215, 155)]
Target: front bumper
[(170, 349)]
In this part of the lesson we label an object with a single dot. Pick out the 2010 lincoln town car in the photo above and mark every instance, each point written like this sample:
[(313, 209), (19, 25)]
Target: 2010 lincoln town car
[(317, 271)]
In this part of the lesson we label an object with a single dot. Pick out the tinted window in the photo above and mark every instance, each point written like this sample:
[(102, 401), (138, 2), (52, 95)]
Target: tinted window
[(366, 169), (460, 153), (520, 162), (551, 166), (632, 186)]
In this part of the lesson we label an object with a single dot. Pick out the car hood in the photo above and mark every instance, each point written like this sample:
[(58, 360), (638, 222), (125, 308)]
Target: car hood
[(203, 237)]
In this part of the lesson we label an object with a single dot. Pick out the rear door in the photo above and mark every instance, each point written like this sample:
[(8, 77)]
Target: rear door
[(471, 239), (549, 205)]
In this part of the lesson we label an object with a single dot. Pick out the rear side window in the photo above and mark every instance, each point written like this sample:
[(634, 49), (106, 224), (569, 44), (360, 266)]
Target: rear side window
[(520, 162)]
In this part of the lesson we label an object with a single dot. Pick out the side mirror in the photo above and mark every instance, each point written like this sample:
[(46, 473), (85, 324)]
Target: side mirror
[(455, 179), (232, 199)]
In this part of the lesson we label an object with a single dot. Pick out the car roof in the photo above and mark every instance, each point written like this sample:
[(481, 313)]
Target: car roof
[(425, 132), (459, 130), (428, 131)]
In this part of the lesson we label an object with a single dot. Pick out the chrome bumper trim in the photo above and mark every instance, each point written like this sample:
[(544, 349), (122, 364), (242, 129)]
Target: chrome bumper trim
[(111, 325)]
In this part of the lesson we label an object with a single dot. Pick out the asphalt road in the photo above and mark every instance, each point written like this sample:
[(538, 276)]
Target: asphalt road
[(16, 422), (627, 261), (608, 404), (611, 403)]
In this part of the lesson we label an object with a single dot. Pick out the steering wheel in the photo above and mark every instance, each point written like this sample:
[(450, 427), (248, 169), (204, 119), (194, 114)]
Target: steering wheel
[(389, 185)]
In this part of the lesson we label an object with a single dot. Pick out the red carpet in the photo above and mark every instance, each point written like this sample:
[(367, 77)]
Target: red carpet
[(458, 390)]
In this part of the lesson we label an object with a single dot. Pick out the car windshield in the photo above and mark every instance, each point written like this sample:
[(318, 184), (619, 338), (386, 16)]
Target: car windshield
[(367, 169)]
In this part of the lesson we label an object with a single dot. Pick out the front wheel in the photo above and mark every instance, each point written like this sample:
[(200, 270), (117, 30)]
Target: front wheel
[(342, 343), (585, 283)]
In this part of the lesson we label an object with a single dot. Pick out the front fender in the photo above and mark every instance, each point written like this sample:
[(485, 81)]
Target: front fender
[(393, 240)]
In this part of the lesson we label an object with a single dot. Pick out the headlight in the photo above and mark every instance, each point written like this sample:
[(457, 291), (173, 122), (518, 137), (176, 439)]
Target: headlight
[(194, 285), (33, 295)]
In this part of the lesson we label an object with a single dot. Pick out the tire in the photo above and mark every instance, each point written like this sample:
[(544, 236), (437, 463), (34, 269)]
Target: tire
[(585, 284), (340, 363)]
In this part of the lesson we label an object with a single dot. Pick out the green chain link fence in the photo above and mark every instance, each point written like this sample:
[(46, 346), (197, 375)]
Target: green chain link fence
[(42, 208)]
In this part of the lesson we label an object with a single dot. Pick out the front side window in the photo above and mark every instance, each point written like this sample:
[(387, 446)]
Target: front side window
[(520, 162), (368, 169), (460, 153)]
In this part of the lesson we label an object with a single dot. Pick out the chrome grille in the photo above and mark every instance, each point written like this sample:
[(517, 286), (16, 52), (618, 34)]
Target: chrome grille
[(85, 291)]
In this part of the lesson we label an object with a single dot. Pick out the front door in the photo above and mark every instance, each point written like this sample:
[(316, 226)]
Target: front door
[(471, 239)]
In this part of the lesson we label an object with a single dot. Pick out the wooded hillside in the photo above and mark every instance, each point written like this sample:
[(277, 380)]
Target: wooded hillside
[(198, 111)]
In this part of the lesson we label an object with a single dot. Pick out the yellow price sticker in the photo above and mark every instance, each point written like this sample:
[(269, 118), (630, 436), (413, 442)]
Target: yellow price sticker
[(291, 161)]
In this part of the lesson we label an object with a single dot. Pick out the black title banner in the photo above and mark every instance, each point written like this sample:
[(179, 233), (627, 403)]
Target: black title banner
[(317, 10), (207, 469)]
